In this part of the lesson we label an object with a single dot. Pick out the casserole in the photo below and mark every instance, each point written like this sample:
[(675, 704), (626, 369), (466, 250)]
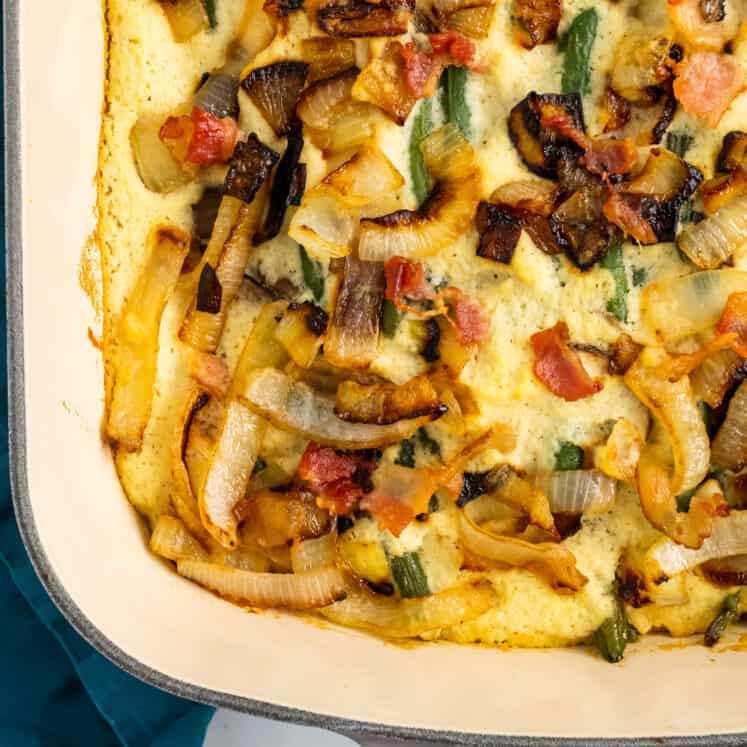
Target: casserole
[(87, 546)]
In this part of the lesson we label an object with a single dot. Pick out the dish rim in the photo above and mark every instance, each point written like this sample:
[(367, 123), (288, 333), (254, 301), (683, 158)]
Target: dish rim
[(40, 561)]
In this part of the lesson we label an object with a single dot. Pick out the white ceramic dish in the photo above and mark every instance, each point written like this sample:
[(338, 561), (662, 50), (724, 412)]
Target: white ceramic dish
[(88, 547)]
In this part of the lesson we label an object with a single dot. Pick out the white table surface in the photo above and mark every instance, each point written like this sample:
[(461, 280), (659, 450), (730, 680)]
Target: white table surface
[(230, 729)]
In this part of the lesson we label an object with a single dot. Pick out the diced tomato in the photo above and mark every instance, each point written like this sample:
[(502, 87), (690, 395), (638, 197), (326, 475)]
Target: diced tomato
[(322, 464), (213, 139), (406, 279), (558, 367), (608, 156), (734, 319), (418, 67), (471, 321), (618, 211), (458, 47), (390, 513), (707, 83)]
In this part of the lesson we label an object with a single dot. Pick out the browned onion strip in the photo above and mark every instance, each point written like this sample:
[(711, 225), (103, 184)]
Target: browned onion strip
[(674, 406), (553, 562), (537, 21), (294, 406), (297, 591), (729, 448), (713, 378), (186, 18), (136, 356), (387, 403), (663, 176), (171, 539), (443, 217), (404, 618), (353, 335), (320, 102), (327, 57)]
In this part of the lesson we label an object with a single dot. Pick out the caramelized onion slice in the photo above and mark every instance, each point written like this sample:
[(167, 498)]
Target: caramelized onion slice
[(293, 406), (663, 176), (618, 457), (186, 18), (326, 223), (353, 336), (710, 242), (229, 472), (733, 152), (674, 406), (315, 553), (354, 18), (171, 539), (730, 571), (136, 355), (301, 332), (473, 22), (553, 562), (729, 448), (274, 90), (327, 57), (519, 494), (577, 491), (296, 591), (728, 538), (442, 218), (679, 307), (640, 64), (403, 618), (537, 21), (320, 103), (713, 378), (535, 195), (387, 403), (158, 169)]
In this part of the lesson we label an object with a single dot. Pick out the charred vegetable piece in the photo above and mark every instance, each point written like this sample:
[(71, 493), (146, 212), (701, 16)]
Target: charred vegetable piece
[(680, 142), (578, 46), (568, 456), (733, 152), (471, 21), (387, 403), (204, 212), (409, 576), (499, 230), (353, 337), (540, 148), (727, 571), (312, 274), (249, 168), (727, 615), (282, 8), (287, 188), (421, 126), (209, 291), (430, 349), (613, 261), (356, 18), (613, 635), (713, 11), (454, 99), (537, 21), (274, 90)]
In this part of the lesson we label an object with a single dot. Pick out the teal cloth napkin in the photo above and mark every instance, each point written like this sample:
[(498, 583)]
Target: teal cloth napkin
[(55, 689)]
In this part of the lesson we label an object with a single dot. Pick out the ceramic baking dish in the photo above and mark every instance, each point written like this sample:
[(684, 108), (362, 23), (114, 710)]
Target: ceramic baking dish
[(87, 544)]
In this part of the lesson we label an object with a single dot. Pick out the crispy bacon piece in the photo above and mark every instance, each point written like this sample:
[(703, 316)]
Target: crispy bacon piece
[(418, 68), (471, 321), (201, 138), (558, 367), (537, 21), (618, 210), (406, 279), (330, 476), (734, 319), (707, 83), (211, 373)]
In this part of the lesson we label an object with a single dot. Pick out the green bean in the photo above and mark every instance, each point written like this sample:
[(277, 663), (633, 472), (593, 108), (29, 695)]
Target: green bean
[(578, 45)]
